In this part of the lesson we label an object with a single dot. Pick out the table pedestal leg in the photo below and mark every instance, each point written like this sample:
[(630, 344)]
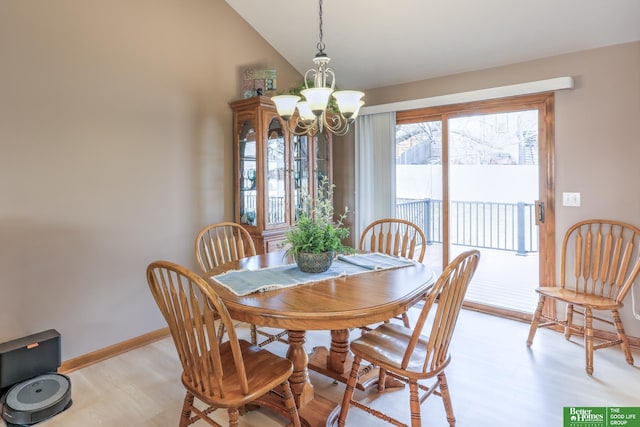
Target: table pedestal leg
[(336, 363), (299, 380), (337, 358)]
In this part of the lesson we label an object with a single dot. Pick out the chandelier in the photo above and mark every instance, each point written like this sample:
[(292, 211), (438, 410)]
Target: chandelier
[(313, 116)]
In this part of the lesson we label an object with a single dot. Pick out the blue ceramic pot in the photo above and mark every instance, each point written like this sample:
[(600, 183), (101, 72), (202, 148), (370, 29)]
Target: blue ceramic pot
[(314, 263)]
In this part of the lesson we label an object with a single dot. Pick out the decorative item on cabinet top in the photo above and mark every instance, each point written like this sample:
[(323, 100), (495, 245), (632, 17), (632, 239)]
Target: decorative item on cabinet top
[(257, 82)]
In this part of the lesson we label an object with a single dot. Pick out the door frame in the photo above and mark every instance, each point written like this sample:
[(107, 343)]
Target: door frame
[(544, 103)]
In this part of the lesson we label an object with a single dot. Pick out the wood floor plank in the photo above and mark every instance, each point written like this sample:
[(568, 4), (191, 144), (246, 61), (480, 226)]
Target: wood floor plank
[(495, 380)]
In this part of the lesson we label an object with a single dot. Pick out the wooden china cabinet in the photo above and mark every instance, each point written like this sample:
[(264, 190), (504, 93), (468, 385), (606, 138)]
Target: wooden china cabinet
[(273, 169)]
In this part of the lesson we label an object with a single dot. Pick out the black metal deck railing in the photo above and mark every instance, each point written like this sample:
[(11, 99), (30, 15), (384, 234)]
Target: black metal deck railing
[(503, 226)]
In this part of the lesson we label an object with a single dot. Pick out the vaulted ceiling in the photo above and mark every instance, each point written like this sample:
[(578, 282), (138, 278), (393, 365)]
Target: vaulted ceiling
[(376, 43)]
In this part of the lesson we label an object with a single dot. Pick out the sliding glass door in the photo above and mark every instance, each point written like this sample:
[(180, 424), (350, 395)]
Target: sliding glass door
[(474, 176), (493, 188)]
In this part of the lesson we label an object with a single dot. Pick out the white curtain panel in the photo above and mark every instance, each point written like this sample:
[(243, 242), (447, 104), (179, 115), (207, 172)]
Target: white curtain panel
[(375, 175)]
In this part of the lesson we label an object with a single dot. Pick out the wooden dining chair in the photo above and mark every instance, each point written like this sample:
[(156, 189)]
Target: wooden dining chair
[(407, 355), (396, 237), (226, 375), (223, 242), (600, 261)]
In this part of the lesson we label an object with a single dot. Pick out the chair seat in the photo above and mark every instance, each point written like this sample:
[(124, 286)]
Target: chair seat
[(275, 370), (573, 297), (386, 346)]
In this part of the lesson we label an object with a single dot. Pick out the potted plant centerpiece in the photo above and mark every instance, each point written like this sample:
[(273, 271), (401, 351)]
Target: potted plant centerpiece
[(316, 237)]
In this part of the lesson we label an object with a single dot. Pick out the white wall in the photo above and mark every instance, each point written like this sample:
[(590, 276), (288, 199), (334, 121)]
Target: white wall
[(115, 134), (495, 183)]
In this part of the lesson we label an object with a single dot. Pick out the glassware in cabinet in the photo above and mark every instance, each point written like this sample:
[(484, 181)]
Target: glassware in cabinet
[(247, 174)]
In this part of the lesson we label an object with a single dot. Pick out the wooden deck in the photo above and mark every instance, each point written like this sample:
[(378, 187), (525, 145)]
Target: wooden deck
[(503, 279)]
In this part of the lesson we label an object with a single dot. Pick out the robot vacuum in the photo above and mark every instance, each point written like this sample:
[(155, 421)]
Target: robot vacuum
[(31, 389), (36, 399)]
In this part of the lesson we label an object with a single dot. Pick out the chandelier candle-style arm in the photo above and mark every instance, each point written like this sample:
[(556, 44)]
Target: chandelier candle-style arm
[(313, 116)]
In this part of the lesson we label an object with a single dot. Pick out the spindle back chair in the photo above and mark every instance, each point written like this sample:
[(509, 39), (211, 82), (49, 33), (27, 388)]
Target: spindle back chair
[(600, 261), (229, 374)]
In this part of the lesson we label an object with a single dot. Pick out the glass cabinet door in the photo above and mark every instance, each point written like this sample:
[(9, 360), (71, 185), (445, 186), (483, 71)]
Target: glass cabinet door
[(247, 173), (300, 144), (276, 172), (275, 182)]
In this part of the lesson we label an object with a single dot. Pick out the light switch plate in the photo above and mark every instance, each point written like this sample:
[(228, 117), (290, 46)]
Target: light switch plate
[(571, 199)]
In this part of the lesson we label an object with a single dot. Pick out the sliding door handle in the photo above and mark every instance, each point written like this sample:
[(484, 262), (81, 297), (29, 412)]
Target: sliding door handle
[(539, 212)]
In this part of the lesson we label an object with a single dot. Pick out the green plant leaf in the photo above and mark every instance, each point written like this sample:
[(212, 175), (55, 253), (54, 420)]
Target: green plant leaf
[(316, 230)]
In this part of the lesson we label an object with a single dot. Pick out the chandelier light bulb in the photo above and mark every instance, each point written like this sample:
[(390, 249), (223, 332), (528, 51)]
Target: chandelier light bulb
[(318, 98), (305, 113), (286, 105), (348, 102)]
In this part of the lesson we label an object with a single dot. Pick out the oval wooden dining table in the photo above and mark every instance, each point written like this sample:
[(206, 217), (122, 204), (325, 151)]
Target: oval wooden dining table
[(336, 304)]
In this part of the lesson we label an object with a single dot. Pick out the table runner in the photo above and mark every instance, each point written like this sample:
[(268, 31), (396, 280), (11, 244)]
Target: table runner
[(245, 282)]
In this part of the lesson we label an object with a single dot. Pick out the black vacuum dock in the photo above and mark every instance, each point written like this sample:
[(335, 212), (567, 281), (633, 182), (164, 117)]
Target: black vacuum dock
[(32, 391)]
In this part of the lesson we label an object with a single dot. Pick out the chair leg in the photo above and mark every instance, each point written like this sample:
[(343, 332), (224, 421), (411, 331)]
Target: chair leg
[(569, 321), (185, 415), (290, 404), (405, 320), (622, 336), (233, 417), (414, 403), (349, 389), (446, 398), (588, 339), (254, 335), (382, 379), (535, 320)]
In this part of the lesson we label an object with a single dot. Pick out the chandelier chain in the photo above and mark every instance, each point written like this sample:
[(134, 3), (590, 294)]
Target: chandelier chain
[(314, 113), (320, 45)]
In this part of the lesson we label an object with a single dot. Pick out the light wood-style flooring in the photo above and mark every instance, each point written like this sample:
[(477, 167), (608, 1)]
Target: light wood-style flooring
[(495, 380)]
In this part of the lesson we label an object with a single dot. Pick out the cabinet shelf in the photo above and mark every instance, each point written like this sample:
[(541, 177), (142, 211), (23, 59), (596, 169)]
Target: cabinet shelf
[(285, 168)]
